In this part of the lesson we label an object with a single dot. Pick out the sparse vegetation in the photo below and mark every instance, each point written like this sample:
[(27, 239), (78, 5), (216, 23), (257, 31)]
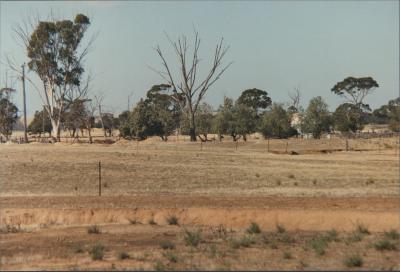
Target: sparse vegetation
[(192, 238), (319, 245), (353, 261), (171, 256), (94, 229), (392, 234), (134, 221), (254, 228), (159, 266), (385, 245), (97, 252), (332, 235), (291, 176), (122, 255), (173, 220), (287, 255), (370, 181), (280, 228), (78, 248), (245, 241), (362, 229), (152, 222), (165, 244)]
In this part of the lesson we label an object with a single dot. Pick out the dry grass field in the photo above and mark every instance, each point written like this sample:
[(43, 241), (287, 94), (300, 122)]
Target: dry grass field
[(178, 205)]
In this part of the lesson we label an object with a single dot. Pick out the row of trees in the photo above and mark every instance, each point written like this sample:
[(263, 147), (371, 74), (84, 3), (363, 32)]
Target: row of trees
[(56, 54)]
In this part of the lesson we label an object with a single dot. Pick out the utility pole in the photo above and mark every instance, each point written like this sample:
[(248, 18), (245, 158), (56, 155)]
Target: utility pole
[(24, 97)]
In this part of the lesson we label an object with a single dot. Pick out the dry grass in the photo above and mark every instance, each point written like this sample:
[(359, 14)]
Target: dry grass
[(44, 169)]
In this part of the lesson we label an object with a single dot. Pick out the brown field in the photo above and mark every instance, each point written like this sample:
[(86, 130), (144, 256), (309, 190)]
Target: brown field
[(49, 199)]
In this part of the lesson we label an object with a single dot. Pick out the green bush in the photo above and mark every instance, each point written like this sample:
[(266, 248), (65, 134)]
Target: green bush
[(362, 229), (385, 245), (94, 229), (192, 239), (353, 261), (280, 228), (287, 255), (171, 257), (173, 220), (254, 228), (393, 234), (97, 252), (319, 245)]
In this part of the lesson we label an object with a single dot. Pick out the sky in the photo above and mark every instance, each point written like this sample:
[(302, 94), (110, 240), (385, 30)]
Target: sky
[(274, 45)]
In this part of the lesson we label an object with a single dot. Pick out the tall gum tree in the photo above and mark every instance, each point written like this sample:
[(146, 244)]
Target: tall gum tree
[(56, 55)]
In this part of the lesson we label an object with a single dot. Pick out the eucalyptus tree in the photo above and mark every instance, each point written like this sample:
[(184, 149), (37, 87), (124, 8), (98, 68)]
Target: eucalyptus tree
[(56, 55)]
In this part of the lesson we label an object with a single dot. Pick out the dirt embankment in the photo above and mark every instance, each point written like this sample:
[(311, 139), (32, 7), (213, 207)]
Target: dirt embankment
[(311, 214)]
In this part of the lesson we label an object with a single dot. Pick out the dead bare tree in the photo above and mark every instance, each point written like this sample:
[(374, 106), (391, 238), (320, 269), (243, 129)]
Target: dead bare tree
[(187, 85), (295, 97), (98, 100)]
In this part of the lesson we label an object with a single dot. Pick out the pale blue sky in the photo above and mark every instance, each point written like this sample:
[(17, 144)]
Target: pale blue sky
[(274, 45)]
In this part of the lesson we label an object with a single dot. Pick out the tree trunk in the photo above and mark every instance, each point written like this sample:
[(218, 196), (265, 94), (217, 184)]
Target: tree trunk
[(192, 130), (55, 128), (90, 136)]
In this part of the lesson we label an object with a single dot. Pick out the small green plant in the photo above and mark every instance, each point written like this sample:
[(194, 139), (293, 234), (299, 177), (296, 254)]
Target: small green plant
[(354, 237), (353, 261), (392, 234), (213, 251), (280, 228), (159, 266), (167, 244), (152, 222), (254, 228), (245, 241), (291, 176), (94, 229), (192, 238), (385, 245), (123, 255), (285, 238), (287, 255), (173, 220), (97, 252), (79, 248), (362, 229), (332, 235), (171, 256), (319, 245)]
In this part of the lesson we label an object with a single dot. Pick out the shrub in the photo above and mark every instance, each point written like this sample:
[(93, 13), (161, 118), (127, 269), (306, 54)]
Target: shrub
[(385, 245), (94, 229), (167, 245), (354, 237), (245, 241), (287, 255), (393, 234), (314, 181), (97, 252), (291, 176), (171, 257), (353, 261), (152, 222), (285, 238), (123, 255), (192, 238), (280, 228), (159, 266), (331, 235), (319, 244), (173, 220), (254, 228), (278, 182), (362, 229), (78, 248)]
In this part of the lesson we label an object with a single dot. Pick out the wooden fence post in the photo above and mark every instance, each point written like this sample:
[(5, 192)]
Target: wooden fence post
[(347, 144), (99, 178), (236, 144), (287, 143), (267, 145)]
